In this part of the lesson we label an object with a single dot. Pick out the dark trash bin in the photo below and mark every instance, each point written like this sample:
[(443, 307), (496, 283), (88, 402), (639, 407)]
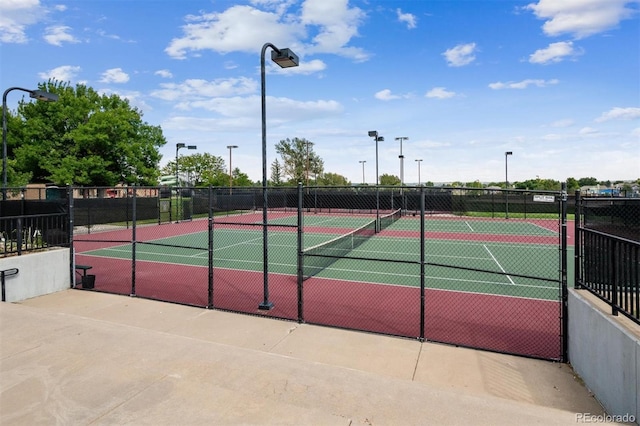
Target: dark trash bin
[(88, 281)]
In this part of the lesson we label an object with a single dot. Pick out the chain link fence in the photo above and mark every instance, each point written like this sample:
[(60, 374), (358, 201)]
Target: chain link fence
[(474, 268)]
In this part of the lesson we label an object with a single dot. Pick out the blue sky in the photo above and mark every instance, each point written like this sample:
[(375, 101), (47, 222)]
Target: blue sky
[(554, 81)]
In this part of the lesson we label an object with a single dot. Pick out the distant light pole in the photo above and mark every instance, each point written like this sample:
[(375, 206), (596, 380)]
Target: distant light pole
[(307, 167), (362, 162), (401, 157), (419, 161), (39, 95), (179, 146), (285, 58), (506, 182), (230, 168), (374, 135)]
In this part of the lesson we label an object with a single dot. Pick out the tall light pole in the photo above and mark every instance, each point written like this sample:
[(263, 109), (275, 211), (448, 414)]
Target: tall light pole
[(39, 95), (506, 182), (401, 157), (362, 162), (285, 58), (419, 160), (179, 146), (374, 135), (230, 168)]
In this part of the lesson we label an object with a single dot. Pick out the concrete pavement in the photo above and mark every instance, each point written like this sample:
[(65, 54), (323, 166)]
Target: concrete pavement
[(85, 358)]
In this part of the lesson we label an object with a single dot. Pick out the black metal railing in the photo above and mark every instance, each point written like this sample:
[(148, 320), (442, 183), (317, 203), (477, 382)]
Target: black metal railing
[(609, 267), (607, 252), (28, 233)]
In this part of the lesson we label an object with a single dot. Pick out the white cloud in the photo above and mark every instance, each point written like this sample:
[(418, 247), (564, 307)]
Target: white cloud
[(462, 54), (242, 28), (195, 89), (305, 68), (581, 18), (386, 95), (555, 52), (65, 73), (16, 16), (439, 93), (523, 84), (407, 18), (164, 73), (336, 24), (588, 131), (59, 34), (618, 113), (114, 75), (239, 28)]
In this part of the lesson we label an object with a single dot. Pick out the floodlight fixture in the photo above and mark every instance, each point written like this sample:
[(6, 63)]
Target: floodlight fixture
[(285, 58)]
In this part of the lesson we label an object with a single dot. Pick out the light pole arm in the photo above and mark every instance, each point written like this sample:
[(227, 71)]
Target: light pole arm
[(4, 137)]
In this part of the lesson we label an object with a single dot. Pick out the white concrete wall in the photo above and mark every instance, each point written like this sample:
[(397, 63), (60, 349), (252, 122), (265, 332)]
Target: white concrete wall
[(605, 351), (38, 273)]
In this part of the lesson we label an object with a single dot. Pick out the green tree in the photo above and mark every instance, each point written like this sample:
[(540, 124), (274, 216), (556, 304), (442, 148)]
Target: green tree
[(588, 181), (276, 173), (572, 184), (333, 179), (241, 179), (389, 180), (299, 160), (200, 169), (83, 139)]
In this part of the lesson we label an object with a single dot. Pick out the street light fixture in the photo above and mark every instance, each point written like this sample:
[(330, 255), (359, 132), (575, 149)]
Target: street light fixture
[(419, 161), (374, 134), (39, 95), (362, 162), (506, 183), (401, 157), (285, 58), (230, 169)]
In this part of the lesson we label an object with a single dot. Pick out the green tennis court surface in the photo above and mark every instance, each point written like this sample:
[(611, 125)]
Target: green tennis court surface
[(450, 264)]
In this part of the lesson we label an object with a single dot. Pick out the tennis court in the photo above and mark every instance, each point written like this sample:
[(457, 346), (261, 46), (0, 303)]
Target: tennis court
[(487, 283)]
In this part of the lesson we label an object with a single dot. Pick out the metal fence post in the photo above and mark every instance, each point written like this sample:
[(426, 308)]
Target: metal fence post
[(210, 249), (563, 261), (72, 251), (133, 242), (422, 261), (577, 254), (300, 244)]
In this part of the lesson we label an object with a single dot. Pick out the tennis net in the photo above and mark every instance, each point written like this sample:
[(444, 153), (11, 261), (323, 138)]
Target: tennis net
[(321, 256), (387, 220)]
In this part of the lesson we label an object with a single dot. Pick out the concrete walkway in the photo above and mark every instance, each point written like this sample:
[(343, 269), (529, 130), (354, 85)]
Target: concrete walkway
[(85, 358)]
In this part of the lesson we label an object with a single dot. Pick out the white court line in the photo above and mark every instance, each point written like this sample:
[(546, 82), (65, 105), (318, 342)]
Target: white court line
[(472, 230), (497, 263)]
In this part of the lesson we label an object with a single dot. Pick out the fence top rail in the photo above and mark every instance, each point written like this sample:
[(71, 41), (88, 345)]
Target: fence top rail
[(28, 216), (613, 237)]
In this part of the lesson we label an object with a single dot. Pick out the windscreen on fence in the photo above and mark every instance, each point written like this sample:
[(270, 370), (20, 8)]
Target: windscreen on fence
[(615, 216)]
